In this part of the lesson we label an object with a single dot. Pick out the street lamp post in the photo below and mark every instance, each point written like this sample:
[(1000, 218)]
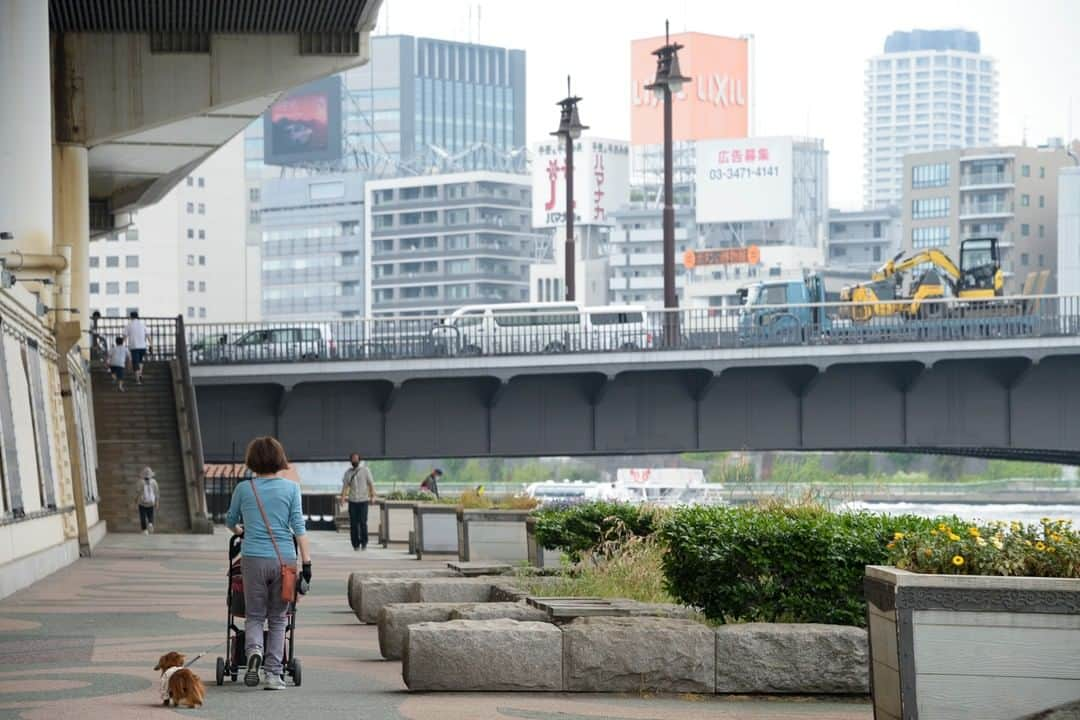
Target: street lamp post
[(570, 128), (669, 81)]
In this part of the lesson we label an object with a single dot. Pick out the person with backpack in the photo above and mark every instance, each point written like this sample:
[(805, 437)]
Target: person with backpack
[(358, 488), (147, 499), (431, 483)]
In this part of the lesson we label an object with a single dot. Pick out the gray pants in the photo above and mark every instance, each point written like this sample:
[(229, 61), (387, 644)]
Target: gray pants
[(262, 596)]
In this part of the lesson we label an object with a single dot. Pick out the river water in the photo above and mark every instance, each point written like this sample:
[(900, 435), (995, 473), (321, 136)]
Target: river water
[(984, 512)]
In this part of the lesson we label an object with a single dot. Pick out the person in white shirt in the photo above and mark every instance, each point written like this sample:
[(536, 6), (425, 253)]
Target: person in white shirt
[(136, 337), (118, 360)]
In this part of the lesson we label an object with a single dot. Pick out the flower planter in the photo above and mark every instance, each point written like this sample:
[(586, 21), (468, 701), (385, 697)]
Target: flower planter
[(435, 529), (492, 535), (395, 521), (987, 647)]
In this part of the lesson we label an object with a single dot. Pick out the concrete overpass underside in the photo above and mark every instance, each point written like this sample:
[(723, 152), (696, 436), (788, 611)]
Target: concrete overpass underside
[(1000, 407)]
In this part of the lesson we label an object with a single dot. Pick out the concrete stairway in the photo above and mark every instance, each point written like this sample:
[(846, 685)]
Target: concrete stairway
[(137, 428)]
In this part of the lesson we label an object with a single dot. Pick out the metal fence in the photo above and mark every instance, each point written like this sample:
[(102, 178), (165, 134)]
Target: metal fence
[(523, 332), (318, 510), (161, 336)]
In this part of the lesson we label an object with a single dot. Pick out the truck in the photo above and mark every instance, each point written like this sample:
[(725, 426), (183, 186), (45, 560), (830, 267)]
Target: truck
[(783, 312)]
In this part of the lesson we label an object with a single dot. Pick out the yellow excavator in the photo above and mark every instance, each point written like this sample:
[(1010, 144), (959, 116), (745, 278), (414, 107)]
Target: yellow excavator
[(978, 276)]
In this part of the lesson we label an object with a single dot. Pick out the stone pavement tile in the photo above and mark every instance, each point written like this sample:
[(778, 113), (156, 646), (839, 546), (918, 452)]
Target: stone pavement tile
[(81, 644)]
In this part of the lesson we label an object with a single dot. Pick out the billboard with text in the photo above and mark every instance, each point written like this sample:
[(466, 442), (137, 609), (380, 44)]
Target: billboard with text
[(745, 180), (714, 104), (601, 181), (304, 126)]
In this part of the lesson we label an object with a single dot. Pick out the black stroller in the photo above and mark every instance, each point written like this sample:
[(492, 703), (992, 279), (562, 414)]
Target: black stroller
[(235, 658)]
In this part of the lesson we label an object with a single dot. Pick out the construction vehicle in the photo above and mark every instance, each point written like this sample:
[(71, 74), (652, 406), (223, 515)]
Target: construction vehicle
[(783, 311), (978, 277)]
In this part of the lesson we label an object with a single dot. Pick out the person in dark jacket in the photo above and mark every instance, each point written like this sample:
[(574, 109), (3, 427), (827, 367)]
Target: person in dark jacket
[(431, 483)]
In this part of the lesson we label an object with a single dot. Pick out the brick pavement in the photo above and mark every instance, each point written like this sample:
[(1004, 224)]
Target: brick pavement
[(81, 644)]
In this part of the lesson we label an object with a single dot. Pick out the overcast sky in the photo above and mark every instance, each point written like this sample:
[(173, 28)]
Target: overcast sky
[(809, 57)]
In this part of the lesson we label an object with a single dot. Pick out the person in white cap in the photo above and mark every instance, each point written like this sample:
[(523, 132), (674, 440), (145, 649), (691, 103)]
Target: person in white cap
[(147, 499)]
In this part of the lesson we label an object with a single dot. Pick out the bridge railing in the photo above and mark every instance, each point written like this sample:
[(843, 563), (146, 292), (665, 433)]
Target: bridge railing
[(162, 335), (521, 332)]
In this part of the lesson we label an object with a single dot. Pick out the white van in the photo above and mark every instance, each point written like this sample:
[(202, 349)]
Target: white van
[(510, 328), (618, 327)]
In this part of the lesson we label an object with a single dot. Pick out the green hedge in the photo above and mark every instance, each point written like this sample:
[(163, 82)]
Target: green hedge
[(788, 564), (580, 527)]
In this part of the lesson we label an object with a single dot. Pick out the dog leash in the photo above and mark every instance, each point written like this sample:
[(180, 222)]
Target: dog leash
[(192, 661)]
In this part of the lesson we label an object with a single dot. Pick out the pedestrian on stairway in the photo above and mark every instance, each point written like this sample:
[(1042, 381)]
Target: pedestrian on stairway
[(147, 500), (136, 336), (358, 488), (118, 361)]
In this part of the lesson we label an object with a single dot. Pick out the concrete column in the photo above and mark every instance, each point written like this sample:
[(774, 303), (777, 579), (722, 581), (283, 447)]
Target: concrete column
[(25, 127), (71, 216)]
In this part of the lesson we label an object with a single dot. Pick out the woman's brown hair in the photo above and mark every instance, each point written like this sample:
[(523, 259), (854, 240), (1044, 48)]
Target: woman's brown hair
[(265, 456)]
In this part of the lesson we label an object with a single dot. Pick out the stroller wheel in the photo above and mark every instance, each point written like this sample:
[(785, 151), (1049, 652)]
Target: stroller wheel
[(219, 674), (297, 674)]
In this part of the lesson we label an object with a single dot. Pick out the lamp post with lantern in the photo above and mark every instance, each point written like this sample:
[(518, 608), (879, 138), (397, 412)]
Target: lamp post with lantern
[(570, 128), (669, 81)]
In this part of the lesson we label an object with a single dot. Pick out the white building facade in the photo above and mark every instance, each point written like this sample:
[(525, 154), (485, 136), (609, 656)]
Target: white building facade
[(1068, 240), (929, 90), (185, 255)]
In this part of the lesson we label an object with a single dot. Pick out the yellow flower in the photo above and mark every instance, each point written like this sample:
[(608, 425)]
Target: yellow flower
[(1051, 549), (958, 560), (943, 527), (1055, 537), (973, 531), (996, 542), (1040, 546), (1015, 526), (898, 536), (933, 532), (980, 542), (954, 537)]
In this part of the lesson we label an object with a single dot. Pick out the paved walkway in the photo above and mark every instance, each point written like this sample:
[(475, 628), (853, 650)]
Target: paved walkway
[(81, 644)]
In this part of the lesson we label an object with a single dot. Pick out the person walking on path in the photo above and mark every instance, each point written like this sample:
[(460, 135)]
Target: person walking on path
[(431, 483), (267, 511), (136, 336), (118, 361), (147, 500), (358, 487)]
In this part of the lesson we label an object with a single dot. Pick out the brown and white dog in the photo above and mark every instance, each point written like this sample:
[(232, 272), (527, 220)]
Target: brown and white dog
[(179, 685)]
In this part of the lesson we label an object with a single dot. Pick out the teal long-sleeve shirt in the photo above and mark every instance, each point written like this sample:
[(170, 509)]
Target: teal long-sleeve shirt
[(281, 500)]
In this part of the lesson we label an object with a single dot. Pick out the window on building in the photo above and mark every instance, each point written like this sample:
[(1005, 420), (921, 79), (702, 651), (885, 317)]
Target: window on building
[(95, 262), (190, 208), (935, 175), (112, 312), (132, 234), (95, 288), (1042, 171), (191, 285), (131, 287), (190, 234), (1042, 260), (202, 182), (131, 261), (112, 288), (1025, 200), (253, 217), (190, 181), (202, 234), (202, 313), (190, 259), (254, 194), (202, 208), (1042, 231), (112, 261), (1042, 201), (1025, 230), (1024, 259), (935, 207), (1025, 170), (202, 259), (202, 286), (191, 312), (930, 236)]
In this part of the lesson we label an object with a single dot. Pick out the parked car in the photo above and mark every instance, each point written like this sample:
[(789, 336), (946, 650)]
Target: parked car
[(285, 343)]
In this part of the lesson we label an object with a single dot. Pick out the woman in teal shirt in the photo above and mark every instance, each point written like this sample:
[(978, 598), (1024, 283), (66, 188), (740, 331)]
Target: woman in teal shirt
[(262, 570)]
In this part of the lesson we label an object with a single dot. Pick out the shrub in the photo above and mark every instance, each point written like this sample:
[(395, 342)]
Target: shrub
[(853, 463), (1009, 469), (417, 495), (776, 564), (577, 528), (1049, 549)]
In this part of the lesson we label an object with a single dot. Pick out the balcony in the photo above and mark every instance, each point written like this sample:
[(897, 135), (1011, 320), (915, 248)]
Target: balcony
[(984, 180), (975, 210)]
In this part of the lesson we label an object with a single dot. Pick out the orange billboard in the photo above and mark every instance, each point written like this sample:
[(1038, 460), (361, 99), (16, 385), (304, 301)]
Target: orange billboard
[(714, 104)]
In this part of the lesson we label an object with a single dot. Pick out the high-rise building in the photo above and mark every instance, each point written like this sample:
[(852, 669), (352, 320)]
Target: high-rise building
[(437, 242), (1009, 193), (420, 106), (929, 90), (184, 255)]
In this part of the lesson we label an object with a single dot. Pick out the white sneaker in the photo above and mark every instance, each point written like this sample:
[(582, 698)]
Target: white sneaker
[(150, 527), (145, 532), (273, 681)]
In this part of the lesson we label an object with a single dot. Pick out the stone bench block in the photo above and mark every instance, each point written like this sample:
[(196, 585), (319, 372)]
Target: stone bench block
[(443, 590), (375, 593), (353, 586), (805, 659), (483, 655), (635, 654), (498, 611), (395, 619)]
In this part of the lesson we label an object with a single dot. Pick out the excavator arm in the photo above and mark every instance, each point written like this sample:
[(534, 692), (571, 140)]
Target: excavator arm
[(932, 256)]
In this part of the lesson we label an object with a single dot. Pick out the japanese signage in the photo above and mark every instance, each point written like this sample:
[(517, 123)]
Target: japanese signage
[(725, 256), (744, 180), (714, 104), (601, 181)]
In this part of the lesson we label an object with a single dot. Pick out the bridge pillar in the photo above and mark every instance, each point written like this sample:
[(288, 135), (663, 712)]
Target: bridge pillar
[(25, 128), (71, 224)]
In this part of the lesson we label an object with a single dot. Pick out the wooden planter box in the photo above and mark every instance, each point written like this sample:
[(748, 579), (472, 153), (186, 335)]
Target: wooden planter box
[(492, 535), (435, 529), (395, 521), (952, 646), (538, 555)]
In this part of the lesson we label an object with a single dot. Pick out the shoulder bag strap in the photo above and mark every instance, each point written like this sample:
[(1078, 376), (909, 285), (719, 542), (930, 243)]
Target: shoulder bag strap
[(266, 521)]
